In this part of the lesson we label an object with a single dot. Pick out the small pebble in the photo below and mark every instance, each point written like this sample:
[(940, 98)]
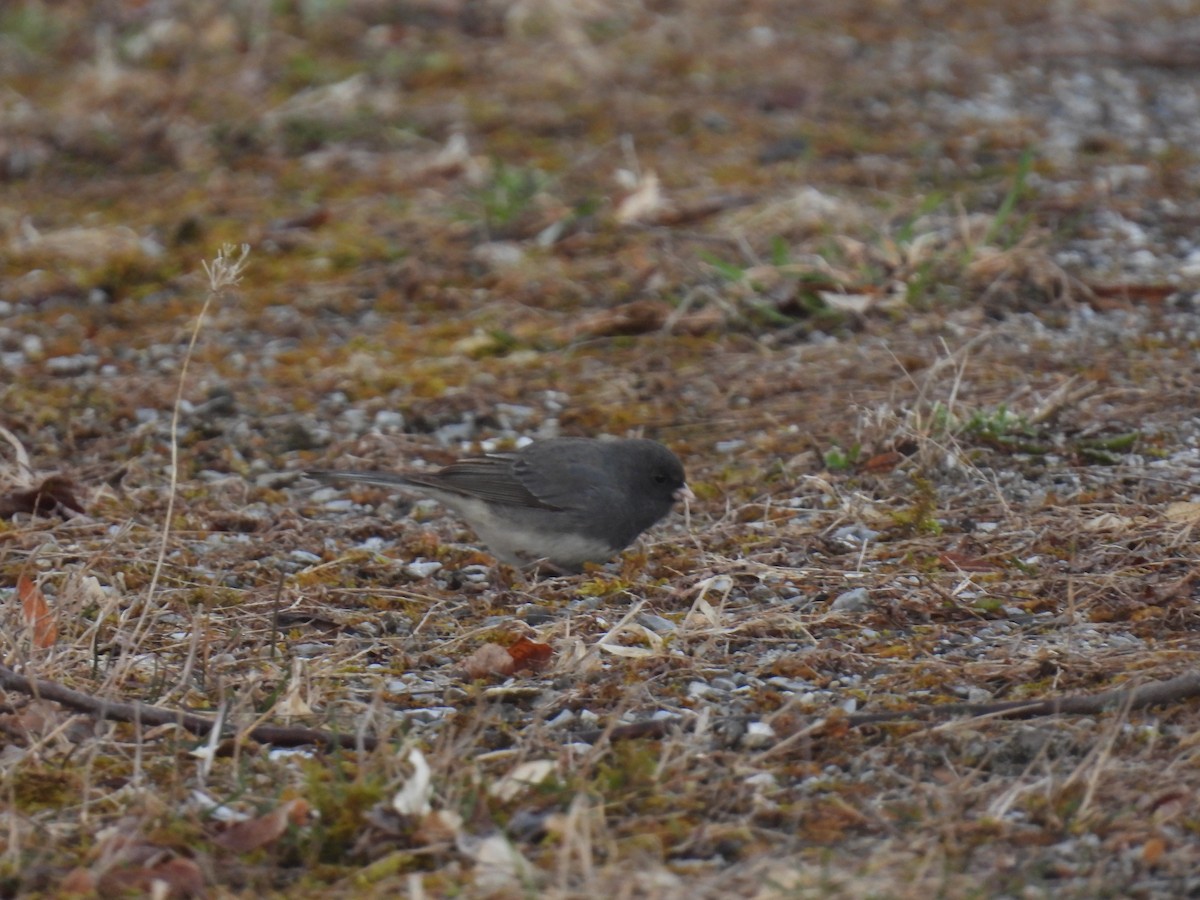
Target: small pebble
[(389, 420), (758, 734), (476, 573), (422, 568), (657, 624), (855, 600), (66, 366), (699, 690)]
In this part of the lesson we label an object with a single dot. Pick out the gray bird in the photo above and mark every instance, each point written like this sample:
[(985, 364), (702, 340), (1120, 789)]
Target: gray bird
[(567, 501)]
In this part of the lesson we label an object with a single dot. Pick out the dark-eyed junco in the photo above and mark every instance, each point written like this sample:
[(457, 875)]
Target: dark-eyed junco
[(567, 500)]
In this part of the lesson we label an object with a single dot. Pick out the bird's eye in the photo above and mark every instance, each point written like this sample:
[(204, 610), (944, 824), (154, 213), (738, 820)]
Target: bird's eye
[(660, 478)]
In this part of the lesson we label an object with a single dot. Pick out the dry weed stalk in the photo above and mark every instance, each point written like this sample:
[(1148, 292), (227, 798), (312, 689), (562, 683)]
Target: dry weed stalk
[(224, 272)]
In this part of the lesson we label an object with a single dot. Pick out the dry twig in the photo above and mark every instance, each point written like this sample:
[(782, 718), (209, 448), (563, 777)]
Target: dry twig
[(123, 711), (1155, 693)]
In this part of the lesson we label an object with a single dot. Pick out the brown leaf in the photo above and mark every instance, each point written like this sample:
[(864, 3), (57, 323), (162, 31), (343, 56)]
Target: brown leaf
[(488, 661), (638, 317), (315, 218), (1122, 296), (244, 837), (38, 616), (36, 719), (1153, 850), (883, 462), (527, 654), (441, 826), (1173, 797), (492, 660), (54, 496)]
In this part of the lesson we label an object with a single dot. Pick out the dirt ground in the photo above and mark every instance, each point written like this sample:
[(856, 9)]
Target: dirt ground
[(911, 289)]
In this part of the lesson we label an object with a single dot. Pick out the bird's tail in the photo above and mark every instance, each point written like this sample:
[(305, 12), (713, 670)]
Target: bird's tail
[(383, 478)]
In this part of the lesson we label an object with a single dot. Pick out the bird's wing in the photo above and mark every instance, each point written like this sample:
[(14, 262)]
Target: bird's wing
[(494, 478), (577, 483)]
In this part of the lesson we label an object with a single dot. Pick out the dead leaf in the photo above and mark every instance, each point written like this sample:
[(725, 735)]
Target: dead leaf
[(413, 798), (441, 826), (54, 496), (488, 661), (1153, 850), (293, 704), (38, 616), (848, 303), (492, 660), (628, 652), (316, 217), (529, 655), (883, 462), (1172, 801), (638, 317), (1122, 296), (608, 643), (38, 718), (524, 776), (1185, 512), (499, 865), (1113, 522), (245, 837), (645, 201)]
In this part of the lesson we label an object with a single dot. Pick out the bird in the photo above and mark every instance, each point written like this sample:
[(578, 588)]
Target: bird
[(562, 501)]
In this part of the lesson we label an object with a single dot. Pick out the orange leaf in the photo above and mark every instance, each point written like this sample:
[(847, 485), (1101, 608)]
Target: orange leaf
[(527, 654), (38, 615), (883, 462), (1153, 850), (492, 660)]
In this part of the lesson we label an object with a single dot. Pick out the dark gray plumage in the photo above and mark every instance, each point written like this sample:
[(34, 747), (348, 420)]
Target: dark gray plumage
[(567, 500)]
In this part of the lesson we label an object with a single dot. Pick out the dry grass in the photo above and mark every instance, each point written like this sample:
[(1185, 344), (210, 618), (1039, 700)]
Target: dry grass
[(909, 295)]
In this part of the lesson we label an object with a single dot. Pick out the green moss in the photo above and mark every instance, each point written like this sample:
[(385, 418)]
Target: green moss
[(34, 788), (341, 795)]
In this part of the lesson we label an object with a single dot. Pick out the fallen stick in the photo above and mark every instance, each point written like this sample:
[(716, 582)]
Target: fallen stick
[(1154, 693), (121, 711)]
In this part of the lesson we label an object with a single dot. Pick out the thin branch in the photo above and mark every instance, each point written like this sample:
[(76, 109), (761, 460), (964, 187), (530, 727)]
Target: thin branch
[(144, 713), (1155, 693)]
